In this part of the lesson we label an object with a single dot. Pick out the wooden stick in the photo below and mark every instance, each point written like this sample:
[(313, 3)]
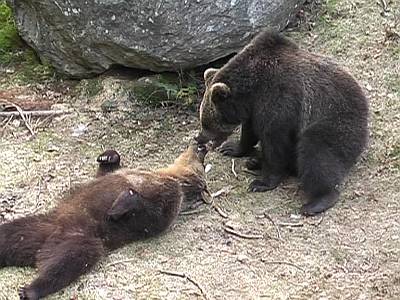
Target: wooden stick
[(278, 232), (220, 211), (233, 169), (316, 223), (290, 224), (185, 276), (34, 113), (281, 263), (120, 262), (5, 123), (20, 112), (192, 211), (220, 192), (243, 235)]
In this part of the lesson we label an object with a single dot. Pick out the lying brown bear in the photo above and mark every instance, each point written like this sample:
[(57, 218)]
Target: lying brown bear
[(118, 207), (309, 115)]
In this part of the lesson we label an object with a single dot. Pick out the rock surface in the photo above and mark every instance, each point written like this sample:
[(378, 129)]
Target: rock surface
[(83, 38)]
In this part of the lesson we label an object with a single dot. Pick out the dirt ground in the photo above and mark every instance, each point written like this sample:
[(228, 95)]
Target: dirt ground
[(350, 252)]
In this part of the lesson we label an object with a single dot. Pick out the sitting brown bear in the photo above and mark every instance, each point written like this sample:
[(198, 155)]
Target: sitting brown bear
[(118, 207), (309, 115)]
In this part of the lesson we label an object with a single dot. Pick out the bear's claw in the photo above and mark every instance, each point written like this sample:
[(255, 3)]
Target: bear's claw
[(319, 205), (253, 164), (262, 185), (25, 294), (231, 148)]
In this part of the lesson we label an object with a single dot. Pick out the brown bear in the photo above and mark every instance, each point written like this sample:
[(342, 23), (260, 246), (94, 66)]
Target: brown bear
[(309, 115), (120, 206)]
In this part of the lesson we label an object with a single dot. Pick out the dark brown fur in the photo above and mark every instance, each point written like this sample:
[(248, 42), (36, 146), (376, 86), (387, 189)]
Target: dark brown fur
[(105, 213), (309, 115)]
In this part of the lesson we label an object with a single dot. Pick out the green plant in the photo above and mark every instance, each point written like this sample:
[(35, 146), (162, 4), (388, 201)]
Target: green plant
[(188, 95), (16, 55), (163, 90), (9, 39)]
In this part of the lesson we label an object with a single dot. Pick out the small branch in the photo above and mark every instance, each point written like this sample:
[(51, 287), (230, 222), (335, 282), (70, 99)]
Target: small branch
[(20, 112), (278, 232), (192, 211), (222, 191), (120, 262), (233, 169), (316, 223), (33, 113), (5, 123), (290, 224), (384, 5), (185, 276), (220, 211), (243, 235), (282, 263)]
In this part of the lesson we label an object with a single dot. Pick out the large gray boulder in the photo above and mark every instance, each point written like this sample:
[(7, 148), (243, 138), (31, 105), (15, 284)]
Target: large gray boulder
[(81, 38)]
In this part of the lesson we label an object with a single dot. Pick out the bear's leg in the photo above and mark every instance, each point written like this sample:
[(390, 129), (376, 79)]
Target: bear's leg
[(21, 239), (245, 146), (109, 161), (320, 172), (61, 261), (278, 152)]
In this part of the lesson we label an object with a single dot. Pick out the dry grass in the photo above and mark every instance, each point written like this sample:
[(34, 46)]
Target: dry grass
[(352, 252)]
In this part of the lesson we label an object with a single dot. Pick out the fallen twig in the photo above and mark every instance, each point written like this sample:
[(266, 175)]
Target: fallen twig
[(282, 263), (243, 235), (316, 223), (220, 192), (5, 123), (384, 5), (33, 113), (233, 168), (220, 211), (290, 224), (278, 232), (19, 112), (120, 262), (192, 211), (187, 277)]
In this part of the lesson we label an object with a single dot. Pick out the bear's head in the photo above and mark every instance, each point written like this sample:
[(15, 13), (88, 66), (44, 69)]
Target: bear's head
[(218, 116)]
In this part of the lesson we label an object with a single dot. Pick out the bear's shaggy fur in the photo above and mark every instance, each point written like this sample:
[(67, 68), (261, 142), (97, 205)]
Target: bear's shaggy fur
[(309, 115), (114, 209)]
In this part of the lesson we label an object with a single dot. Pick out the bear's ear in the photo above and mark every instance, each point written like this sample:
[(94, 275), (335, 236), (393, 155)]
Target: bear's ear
[(209, 74), (219, 92)]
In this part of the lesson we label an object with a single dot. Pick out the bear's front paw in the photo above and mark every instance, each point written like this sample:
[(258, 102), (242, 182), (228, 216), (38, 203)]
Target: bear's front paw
[(109, 157), (27, 294), (266, 184), (253, 164), (319, 205), (231, 148)]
